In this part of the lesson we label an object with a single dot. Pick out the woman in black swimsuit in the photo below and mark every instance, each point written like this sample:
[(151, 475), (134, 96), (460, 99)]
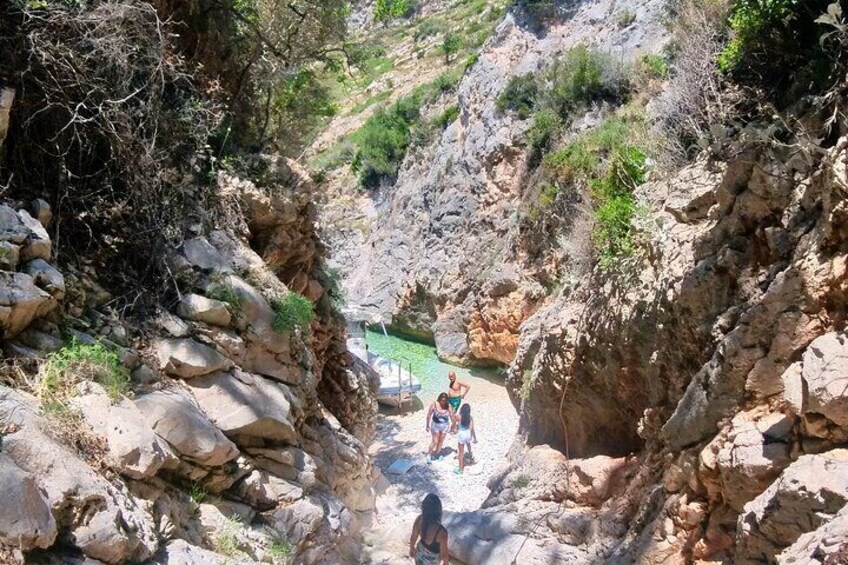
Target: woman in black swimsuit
[(433, 544)]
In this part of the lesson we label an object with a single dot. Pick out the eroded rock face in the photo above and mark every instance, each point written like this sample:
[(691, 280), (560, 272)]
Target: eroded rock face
[(242, 404), (809, 492), (441, 256), (29, 523), (179, 422), (186, 358), (105, 523)]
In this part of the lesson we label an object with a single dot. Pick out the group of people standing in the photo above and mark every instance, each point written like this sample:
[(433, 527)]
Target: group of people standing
[(428, 544), (449, 414)]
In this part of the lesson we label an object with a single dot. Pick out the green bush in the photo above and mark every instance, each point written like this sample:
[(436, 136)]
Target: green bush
[(429, 28), (625, 18), (381, 144), (77, 361), (653, 66), (447, 117), (582, 76), (382, 140), (447, 81), (586, 154), (292, 312), (385, 10), (612, 234), (519, 96), (777, 43), (542, 132), (451, 44)]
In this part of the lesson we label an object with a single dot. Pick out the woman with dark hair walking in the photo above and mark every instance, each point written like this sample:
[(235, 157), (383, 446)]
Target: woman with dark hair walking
[(431, 535), (464, 437), (439, 418)]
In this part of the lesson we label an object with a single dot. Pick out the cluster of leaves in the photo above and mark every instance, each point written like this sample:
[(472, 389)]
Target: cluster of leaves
[(77, 361), (382, 141), (449, 116), (609, 162), (385, 10), (581, 76), (292, 312), (778, 43)]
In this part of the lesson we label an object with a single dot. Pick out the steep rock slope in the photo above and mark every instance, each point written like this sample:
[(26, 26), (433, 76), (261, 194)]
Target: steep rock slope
[(717, 361), (232, 433), (439, 259)]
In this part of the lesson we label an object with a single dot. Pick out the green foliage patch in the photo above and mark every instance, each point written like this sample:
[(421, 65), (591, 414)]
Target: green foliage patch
[(77, 361), (292, 312), (519, 96), (390, 9), (449, 116)]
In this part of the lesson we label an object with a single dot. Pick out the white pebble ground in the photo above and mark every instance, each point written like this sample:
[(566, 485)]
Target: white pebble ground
[(403, 436)]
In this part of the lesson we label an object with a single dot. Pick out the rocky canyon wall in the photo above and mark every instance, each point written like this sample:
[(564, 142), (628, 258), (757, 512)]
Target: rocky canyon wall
[(440, 259), (217, 435)]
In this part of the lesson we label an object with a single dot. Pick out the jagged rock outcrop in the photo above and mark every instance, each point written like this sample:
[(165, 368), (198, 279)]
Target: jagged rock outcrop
[(223, 402), (438, 261), (717, 360)]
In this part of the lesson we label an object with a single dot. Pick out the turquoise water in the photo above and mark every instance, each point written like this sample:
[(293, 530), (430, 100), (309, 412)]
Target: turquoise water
[(425, 365)]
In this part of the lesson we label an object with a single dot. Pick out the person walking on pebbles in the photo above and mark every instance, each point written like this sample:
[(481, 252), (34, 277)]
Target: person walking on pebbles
[(465, 436), (439, 418), (456, 393), (431, 535)]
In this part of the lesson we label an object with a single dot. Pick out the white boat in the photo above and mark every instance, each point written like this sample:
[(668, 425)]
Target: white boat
[(397, 384)]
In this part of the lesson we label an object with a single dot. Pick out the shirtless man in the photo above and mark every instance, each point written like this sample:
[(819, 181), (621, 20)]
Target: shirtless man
[(456, 392)]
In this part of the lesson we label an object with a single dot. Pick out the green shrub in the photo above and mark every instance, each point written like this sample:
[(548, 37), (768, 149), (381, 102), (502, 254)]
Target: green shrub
[(382, 140), (586, 154), (612, 234), (469, 62), (582, 76), (451, 43), (519, 96), (653, 66), (226, 539), (385, 10), (542, 132), (77, 361), (292, 312), (521, 481), (381, 144), (429, 28), (777, 43), (447, 117), (220, 290), (447, 81), (281, 548), (625, 18)]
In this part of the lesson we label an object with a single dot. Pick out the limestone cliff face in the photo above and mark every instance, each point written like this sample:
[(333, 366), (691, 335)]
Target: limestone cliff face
[(235, 439), (696, 395), (441, 258)]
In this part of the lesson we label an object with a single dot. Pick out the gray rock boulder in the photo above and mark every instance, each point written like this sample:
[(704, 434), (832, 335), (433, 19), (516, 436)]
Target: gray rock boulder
[(186, 358), (12, 229), (201, 309), (103, 521), (26, 522), (825, 369), (180, 552), (806, 495), (743, 461), (134, 450), (37, 244), (201, 254), (243, 404), (21, 301), (46, 277), (179, 422), (827, 544), (480, 537)]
